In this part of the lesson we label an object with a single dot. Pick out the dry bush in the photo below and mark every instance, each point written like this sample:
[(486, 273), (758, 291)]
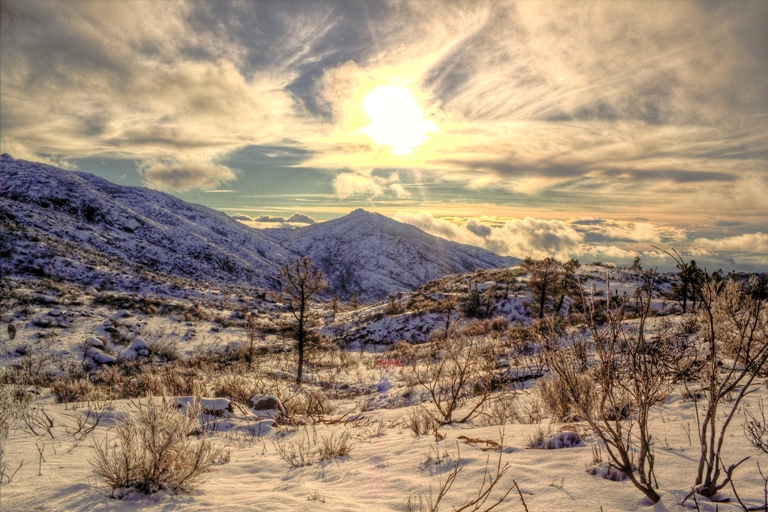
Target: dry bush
[(487, 497), (421, 421), (756, 428), (541, 440), (13, 404), (558, 396), (155, 451), (456, 370), (298, 452), (333, 446), (500, 410), (629, 377)]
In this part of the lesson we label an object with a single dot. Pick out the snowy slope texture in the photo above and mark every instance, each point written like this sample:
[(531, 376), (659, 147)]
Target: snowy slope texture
[(72, 225), (78, 227), (373, 255)]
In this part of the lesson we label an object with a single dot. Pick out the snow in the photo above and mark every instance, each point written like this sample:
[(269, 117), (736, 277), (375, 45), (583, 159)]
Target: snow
[(380, 473), (110, 237)]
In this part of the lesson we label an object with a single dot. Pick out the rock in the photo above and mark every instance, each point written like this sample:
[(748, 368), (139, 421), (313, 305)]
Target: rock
[(94, 342), (54, 312), (139, 344), (91, 291), (267, 403), (101, 357), (215, 406), (184, 403), (43, 322), (216, 328), (343, 386), (121, 313)]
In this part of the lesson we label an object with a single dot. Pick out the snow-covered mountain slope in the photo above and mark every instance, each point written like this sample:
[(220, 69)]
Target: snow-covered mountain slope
[(78, 227), (373, 255), (72, 225)]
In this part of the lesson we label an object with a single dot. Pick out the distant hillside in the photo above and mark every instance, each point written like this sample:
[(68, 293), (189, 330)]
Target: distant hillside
[(373, 255), (76, 226)]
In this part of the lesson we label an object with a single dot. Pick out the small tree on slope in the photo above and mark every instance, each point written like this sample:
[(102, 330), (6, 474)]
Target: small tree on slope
[(300, 282)]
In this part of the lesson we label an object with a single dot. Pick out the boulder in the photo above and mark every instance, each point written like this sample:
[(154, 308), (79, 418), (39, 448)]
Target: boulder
[(100, 357), (215, 406), (139, 344), (55, 312), (94, 342), (267, 403)]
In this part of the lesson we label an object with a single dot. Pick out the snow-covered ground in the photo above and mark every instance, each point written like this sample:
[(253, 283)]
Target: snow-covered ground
[(386, 466)]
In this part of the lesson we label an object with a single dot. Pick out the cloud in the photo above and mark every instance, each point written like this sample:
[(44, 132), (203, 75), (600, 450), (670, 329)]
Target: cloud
[(176, 175), (748, 242), (270, 221), (300, 218), (608, 230), (580, 107), (348, 184), (519, 237)]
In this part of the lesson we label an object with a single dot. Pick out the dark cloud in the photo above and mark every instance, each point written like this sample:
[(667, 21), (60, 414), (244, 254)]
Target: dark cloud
[(300, 218), (269, 218)]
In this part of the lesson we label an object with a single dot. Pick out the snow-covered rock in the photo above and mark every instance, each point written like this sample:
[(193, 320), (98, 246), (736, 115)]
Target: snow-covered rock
[(94, 342), (267, 403), (100, 357), (215, 406)]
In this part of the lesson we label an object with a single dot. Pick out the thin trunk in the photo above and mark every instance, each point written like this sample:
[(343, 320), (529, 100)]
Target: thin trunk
[(301, 339)]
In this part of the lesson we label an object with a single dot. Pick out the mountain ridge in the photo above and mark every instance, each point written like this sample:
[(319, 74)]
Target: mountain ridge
[(81, 227)]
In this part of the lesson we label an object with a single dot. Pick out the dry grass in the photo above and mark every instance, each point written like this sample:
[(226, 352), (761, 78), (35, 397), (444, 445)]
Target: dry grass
[(154, 451)]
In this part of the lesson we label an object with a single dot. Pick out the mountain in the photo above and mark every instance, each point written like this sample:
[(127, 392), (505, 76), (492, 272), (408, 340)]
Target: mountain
[(78, 227), (373, 255)]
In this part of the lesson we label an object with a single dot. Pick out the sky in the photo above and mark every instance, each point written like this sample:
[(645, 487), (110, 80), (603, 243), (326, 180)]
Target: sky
[(595, 130)]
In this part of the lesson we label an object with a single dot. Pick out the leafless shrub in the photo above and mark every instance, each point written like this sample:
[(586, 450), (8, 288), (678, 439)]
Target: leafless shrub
[(482, 501), (500, 410), (557, 395), (86, 423), (544, 441), (734, 322), (13, 404), (154, 451), (421, 421), (333, 446), (299, 452), (630, 376), (756, 429), (456, 371)]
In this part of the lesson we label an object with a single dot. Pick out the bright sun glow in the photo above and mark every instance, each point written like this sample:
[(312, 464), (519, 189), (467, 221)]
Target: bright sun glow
[(396, 119)]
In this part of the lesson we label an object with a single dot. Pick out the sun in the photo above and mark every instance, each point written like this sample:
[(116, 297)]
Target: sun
[(396, 119)]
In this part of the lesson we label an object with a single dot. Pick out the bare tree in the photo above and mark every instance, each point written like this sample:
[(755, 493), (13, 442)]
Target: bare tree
[(448, 306), (542, 280), (255, 331), (734, 324), (334, 305), (301, 281), (629, 377)]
